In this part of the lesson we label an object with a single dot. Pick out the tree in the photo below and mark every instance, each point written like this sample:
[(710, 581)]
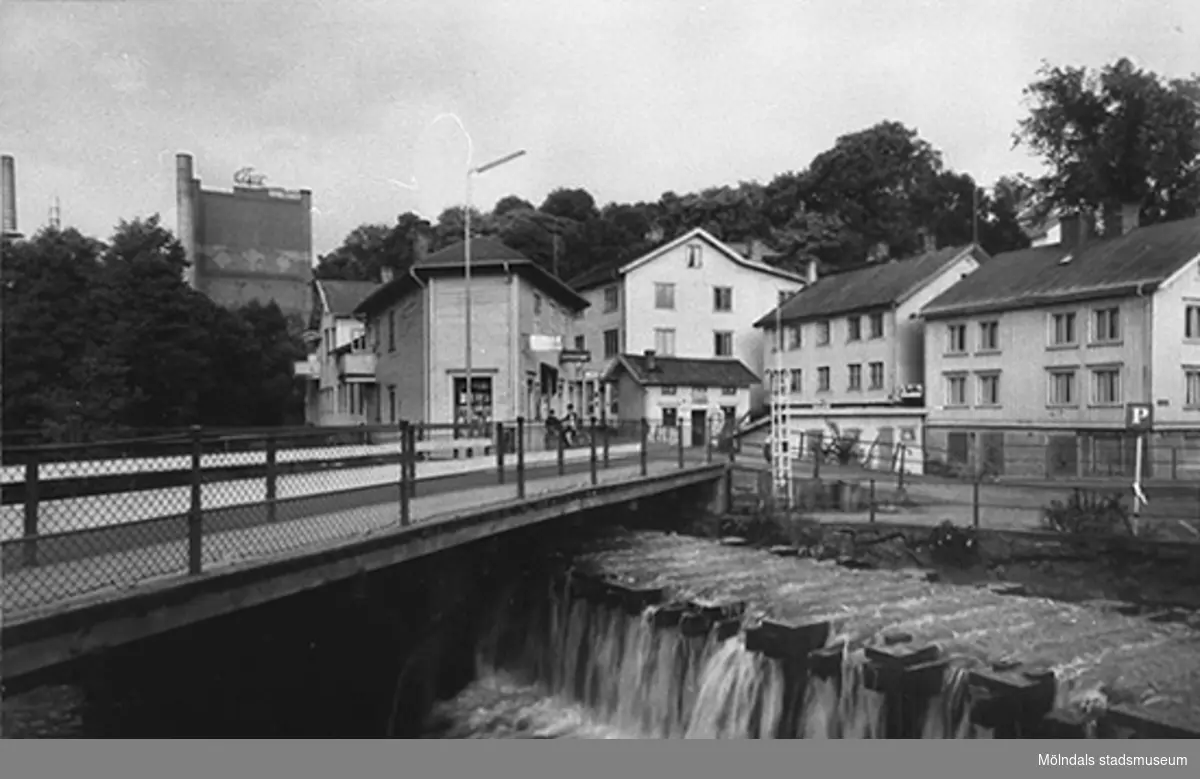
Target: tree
[(1120, 135), (511, 203), (574, 204), (371, 247)]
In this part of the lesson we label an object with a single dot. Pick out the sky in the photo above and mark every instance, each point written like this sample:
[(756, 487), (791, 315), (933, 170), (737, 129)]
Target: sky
[(370, 103)]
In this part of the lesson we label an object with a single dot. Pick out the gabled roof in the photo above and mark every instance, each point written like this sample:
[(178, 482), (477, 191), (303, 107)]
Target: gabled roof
[(1142, 259), (604, 274), (340, 298), (873, 286), (683, 371), (488, 257)]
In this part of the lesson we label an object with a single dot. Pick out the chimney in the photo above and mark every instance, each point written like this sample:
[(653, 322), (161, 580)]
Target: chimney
[(420, 245), (1131, 216), (8, 194), (810, 271), (651, 361), (929, 241), (1073, 230), (185, 207), (386, 275)]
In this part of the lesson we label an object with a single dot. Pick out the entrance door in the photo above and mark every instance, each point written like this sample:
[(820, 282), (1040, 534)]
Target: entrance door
[(481, 402), (959, 448), (699, 428)]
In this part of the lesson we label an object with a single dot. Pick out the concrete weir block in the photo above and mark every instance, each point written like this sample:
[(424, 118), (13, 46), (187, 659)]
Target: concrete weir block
[(911, 667), (669, 615), (786, 641), (1015, 699), (826, 662), (632, 598)]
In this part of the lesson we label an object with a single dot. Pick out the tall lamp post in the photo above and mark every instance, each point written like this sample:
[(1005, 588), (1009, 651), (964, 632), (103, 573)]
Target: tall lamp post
[(469, 399)]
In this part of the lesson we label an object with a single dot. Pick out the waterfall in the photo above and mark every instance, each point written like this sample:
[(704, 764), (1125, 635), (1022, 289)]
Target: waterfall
[(842, 706)]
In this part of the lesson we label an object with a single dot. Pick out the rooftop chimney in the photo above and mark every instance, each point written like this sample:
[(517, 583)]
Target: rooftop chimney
[(810, 271), (420, 245), (651, 361), (185, 213), (8, 194), (1073, 230), (386, 275)]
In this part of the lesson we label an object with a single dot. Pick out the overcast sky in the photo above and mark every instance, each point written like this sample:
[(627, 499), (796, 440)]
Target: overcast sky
[(628, 99)]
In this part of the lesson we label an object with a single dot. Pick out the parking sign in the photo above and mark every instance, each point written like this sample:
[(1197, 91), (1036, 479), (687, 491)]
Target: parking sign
[(1139, 416)]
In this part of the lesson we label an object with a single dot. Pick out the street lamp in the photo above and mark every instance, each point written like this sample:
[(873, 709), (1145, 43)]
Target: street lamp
[(469, 398)]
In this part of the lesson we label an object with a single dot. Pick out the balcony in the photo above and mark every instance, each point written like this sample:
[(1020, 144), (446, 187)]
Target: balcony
[(356, 367), (308, 369)]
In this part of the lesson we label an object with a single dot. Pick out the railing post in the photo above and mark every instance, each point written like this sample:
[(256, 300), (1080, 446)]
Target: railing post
[(975, 501), (605, 433), (818, 454), (30, 529), (900, 474), (196, 512), (561, 435), (408, 446), (708, 442), (679, 437), (500, 452), (1174, 463), (872, 500), (272, 479), (406, 480), (521, 458), (645, 435), (592, 454)]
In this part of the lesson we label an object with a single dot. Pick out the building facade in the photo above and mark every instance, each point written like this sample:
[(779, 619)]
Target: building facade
[(849, 350), (254, 243), (1033, 359), (416, 328), (339, 370), (695, 398), (692, 298)]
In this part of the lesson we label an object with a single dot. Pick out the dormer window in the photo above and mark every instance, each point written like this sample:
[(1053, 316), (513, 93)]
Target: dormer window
[(693, 256)]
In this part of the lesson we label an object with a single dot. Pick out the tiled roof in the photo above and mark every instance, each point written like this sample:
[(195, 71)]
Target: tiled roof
[(877, 285), (482, 250), (685, 372), (597, 275), (343, 297), (1029, 278)]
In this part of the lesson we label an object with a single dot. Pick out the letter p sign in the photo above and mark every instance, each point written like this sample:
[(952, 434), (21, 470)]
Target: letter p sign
[(1139, 417)]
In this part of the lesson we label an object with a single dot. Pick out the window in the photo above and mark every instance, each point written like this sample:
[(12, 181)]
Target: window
[(989, 336), (1191, 322), (669, 389), (823, 379), (693, 256), (797, 380), (664, 296), (722, 298), (854, 328), (1106, 325), (1062, 329), (956, 390), (823, 333), (612, 343), (664, 341), (580, 343), (612, 299), (1106, 386), (793, 337), (956, 339), (989, 389), (723, 343), (1191, 381), (728, 390), (670, 417), (391, 403), (1062, 388), (877, 325), (392, 332), (537, 304), (876, 375), (854, 377)]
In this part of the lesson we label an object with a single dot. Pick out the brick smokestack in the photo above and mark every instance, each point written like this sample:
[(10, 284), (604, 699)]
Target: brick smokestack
[(185, 207), (8, 194)]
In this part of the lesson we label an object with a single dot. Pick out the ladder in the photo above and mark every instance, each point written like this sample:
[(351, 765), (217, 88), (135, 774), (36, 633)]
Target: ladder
[(781, 449)]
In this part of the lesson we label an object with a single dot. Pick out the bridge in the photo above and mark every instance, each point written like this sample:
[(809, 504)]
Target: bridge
[(108, 544)]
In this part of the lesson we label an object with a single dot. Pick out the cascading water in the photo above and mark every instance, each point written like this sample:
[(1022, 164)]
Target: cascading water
[(566, 666)]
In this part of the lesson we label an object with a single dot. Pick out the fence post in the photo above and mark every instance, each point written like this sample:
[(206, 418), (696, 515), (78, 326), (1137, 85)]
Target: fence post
[(975, 501), (561, 436), (272, 479), (872, 500), (196, 512), (1174, 463), (605, 433), (521, 458), (30, 529), (900, 475), (408, 445), (500, 452), (708, 442), (818, 454), (679, 441), (644, 432), (592, 459), (405, 480)]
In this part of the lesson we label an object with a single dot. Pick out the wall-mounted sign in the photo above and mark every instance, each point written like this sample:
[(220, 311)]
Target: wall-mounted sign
[(1139, 417), (545, 343), (574, 355), (248, 177)]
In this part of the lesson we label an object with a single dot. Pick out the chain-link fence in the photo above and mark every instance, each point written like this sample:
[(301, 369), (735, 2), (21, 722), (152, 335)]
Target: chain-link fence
[(78, 518)]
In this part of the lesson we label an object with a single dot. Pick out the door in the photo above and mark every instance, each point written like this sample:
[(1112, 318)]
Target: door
[(480, 414), (992, 446), (958, 447), (884, 443), (699, 428)]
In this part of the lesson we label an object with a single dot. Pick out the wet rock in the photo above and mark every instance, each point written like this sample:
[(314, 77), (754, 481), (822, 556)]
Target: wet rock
[(1005, 664), (932, 576), (893, 637), (855, 563), (784, 551), (734, 541), (1008, 588)]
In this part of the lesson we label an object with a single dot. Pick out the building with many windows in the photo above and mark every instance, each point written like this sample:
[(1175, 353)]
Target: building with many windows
[(691, 298), (339, 370), (522, 316), (1032, 359), (851, 350)]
